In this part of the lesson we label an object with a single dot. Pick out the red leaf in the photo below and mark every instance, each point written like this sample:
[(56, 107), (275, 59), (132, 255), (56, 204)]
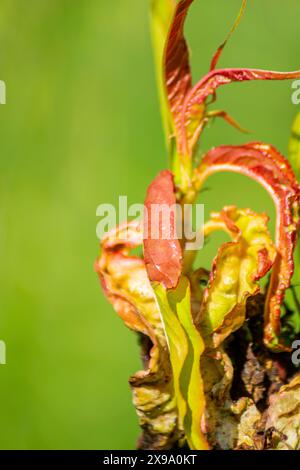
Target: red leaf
[(192, 110), (177, 69), (162, 252), (267, 166), (188, 104)]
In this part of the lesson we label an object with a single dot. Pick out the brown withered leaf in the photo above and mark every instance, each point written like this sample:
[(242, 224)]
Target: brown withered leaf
[(253, 376), (284, 415), (228, 424)]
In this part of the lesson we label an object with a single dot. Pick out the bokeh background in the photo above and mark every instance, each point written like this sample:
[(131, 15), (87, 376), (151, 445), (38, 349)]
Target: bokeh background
[(82, 126)]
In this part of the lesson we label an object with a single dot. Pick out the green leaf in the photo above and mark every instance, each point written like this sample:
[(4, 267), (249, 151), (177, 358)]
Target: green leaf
[(162, 12), (186, 347)]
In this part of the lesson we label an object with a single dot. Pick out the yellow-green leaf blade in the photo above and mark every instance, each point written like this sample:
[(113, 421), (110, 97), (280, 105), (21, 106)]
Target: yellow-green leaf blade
[(161, 16), (186, 347), (236, 270)]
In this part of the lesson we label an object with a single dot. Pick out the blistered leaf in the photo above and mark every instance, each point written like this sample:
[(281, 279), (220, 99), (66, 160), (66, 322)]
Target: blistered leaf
[(236, 271), (268, 167), (247, 426), (186, 347), (162, 250), (126, 285), (229, 425), (222, 416), (284, 415)]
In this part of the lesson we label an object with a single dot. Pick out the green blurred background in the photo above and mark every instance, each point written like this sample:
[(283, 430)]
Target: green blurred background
[(82, 126)]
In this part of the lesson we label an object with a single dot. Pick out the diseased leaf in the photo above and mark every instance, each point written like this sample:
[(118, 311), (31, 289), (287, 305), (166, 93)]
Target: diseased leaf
[(268, 167), (186, 347), (126, 285), (178, 77), (162, 250), (247, 426), (178, 81), (187, 103), (228, 424), (192, 111), (284, 415), (184, 395), (217, 376), (236, 271)]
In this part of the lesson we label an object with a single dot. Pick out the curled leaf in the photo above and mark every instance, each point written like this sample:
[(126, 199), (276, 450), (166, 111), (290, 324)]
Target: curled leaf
[(236, 271), (187, 104), (178, 77), (162, 250), (267, 166), (192, 110), (228, 424), (284, 415), (126, 285)]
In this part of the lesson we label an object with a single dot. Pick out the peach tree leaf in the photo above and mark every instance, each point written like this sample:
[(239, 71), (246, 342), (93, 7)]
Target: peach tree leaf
[(188, 103), (267, 166), (186, 347), (162, 250), (195, 101), (178, 77), (284, 415), (236, 270)]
